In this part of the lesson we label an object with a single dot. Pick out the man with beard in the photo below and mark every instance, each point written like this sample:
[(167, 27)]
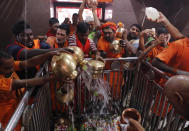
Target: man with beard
[(60, 41), (133, 38), (73, 26), (11, 87), (108, 36), (53, 24), (81, 40), (103, 45)]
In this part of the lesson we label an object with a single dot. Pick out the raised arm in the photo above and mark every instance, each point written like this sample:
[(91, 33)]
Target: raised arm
[(81, 9), (25, 54), (164, 67), (146, 32), (144, 53), (175, 33), (96, 19)]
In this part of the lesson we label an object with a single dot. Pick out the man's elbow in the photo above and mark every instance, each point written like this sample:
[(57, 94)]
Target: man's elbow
[(155, 62)]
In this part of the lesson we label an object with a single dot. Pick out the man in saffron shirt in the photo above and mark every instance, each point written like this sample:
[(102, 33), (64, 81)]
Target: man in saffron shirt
[(25, 46), (174, 59), (60, 41), (81, 40), (10, 84), (103, 45), (24, 43), (53, 24)]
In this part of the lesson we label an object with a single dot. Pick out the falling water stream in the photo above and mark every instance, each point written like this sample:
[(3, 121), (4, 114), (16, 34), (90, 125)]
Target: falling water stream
[(101, 113)]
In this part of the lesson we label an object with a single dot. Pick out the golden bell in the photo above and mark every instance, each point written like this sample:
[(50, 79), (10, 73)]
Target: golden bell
[(78, 54), (97, 67), (115, 46), (64, 66)]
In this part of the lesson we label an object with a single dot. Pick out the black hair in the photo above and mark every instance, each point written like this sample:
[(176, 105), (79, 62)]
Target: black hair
[(137, 26), (75, 14), (19, 27), (82, 27), (65, 27), (161, 30), (53, 21), (4, 55)]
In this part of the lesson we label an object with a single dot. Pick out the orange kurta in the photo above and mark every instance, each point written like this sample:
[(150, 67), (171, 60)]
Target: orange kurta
[(176, 56), (9, 98), (114, 77), (152, 54)]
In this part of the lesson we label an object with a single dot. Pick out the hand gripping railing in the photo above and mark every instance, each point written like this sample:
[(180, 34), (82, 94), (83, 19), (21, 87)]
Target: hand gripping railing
[(149, 99), (19, 110)]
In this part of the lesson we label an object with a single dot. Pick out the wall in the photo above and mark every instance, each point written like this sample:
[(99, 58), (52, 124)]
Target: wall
[(35, 12), (38, 14), (11, 11), (123, 11)]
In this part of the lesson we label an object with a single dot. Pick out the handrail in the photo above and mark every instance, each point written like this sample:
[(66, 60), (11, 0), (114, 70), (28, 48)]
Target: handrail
[(128, 59), (19, 110), (161, 73)]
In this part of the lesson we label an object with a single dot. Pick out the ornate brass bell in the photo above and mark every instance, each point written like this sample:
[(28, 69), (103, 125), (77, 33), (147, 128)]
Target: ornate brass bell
[(78, 55), (97, 67), (64, 66)]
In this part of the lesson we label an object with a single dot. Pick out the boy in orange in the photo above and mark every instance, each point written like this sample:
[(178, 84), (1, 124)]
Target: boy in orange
[(10, 84), (53, 24), (158, 45)]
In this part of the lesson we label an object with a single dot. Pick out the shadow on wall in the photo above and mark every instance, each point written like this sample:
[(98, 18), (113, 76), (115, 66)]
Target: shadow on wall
[(11, 12)]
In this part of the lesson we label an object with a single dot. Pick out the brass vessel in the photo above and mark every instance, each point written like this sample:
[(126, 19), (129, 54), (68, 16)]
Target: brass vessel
[(130, 113), (115, 46), (125, 116), (97, 67), (119, 32), (78, 55), (64, 66)]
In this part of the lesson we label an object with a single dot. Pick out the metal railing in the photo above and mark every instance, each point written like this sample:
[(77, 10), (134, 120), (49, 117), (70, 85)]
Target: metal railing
[(139, 89), (148, 97), (24, 102)]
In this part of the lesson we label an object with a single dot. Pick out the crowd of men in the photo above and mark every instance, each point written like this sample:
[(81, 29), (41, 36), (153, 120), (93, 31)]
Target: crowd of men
[(20, 61)]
